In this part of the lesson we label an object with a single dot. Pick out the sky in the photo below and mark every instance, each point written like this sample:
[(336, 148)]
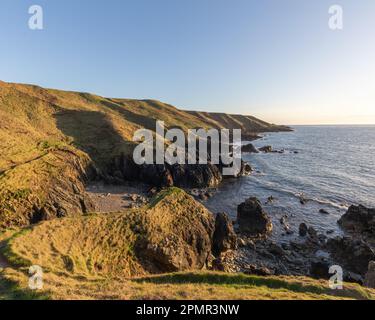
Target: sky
[(275, 59)]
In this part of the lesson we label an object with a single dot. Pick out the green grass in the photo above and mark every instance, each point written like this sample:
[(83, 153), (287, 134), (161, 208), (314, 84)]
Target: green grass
[(163, 194), (10, 290), (242, 280), (94, 257)]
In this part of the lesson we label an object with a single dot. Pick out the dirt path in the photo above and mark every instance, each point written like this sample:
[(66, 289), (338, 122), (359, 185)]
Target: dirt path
[(2, 171)]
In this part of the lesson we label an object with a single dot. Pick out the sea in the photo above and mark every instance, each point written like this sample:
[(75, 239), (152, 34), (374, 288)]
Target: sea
[(332, 167)]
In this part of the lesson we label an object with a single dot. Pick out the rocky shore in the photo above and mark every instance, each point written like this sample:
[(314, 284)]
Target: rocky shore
[(244, 245), (312, 254)]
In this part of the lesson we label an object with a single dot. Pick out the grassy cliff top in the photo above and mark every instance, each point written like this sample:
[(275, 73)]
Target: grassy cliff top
[(95, 257)]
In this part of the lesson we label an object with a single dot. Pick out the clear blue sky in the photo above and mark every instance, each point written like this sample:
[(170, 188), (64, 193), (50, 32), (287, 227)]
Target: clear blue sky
[(276, 59)]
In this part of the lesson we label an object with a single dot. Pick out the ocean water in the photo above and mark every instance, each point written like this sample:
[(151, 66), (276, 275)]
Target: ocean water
[(334, 168)]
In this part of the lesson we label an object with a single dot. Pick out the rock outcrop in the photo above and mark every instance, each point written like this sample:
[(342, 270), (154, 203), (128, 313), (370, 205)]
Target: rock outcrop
[(62, 194), (353, 255), (359, 219), (370, 275), (252, 219), (249, 148), (319, 269), (178, 234), (266, 149), (224, 237), (303, 229), (164, 175)]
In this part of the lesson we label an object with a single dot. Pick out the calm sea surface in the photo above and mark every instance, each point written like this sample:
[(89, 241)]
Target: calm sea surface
[(334, 168)]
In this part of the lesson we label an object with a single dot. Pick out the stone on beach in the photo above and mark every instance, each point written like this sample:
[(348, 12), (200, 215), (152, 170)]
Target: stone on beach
[(224, 237), (252, 219), (303, 229)]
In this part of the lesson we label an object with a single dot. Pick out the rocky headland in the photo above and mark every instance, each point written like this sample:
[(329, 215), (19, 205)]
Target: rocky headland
[(67, 178)]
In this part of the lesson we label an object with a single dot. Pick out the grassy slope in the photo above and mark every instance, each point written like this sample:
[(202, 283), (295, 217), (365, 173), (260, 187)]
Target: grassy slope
[(92, 257), (48, 136)]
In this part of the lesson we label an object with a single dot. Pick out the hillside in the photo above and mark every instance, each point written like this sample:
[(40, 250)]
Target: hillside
[(249, 125), (100, 256), (53, 142)]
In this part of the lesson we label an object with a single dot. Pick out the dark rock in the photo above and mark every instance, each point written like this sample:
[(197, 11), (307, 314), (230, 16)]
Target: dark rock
[(259, 271), (320, 269), (354, 255), (359, 219), (266, 149), (247, 169), (203, 196), (224, 237), (312, 232), (353, 277), (270, 199), (370, 275), (165, 175), (209, 194), (323, 211), (252, 219), (303, 229), (276, 250), (153, 191), (249, 148)]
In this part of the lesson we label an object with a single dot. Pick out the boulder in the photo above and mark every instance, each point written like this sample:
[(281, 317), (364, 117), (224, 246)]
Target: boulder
[(252, 269), (319, 269), (303, 229), (270, 199), (359, 219), (179, 234), (249, 148), (370, 275), (224, 238), (312, 232), (354, 255), (266, 149), (252, 219)]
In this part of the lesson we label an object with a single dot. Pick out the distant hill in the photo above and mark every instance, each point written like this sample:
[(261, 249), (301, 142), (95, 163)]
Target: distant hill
[(249, 125)]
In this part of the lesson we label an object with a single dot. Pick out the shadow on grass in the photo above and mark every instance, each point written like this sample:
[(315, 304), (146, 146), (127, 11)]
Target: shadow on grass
[(93, 133), (242, 280), (10, 291)]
